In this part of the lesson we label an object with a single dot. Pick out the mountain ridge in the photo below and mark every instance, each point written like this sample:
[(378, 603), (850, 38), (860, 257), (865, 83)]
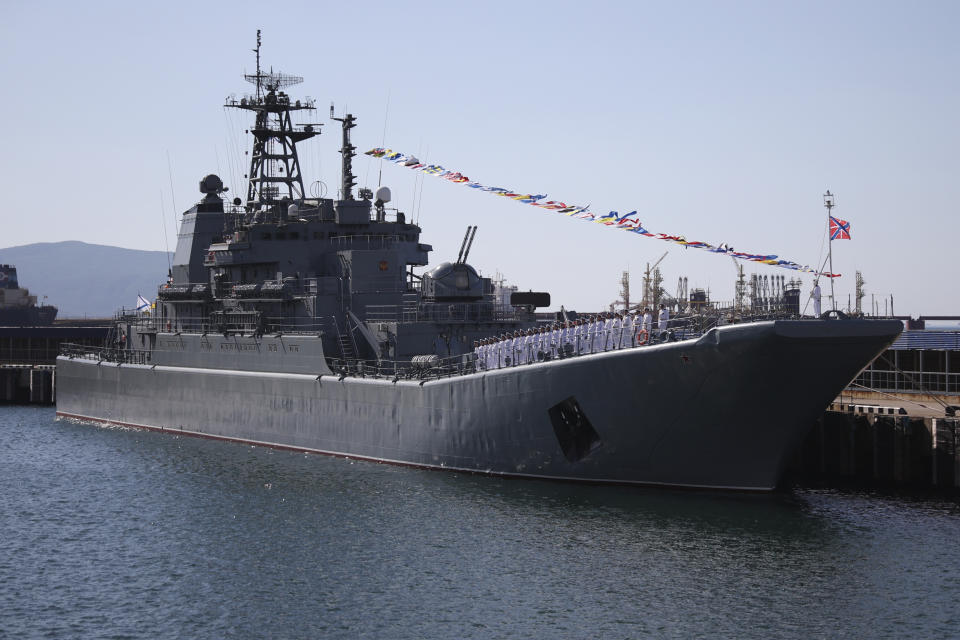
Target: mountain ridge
[(87, 280)]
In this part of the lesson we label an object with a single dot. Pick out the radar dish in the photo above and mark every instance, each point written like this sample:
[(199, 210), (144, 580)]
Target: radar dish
[(273, 80)]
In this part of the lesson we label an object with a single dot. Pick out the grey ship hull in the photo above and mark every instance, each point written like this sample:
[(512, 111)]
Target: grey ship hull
[(723, 411)]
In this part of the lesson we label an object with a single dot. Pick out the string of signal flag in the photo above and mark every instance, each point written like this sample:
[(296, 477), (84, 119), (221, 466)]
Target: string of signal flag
[(629, 222)]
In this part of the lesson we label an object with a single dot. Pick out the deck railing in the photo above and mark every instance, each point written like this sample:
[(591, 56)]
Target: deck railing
[(105, 354), (444, 312), (425, 367), (242, 323)]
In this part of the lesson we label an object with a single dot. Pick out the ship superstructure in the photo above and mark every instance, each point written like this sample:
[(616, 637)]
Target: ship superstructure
[(342, 269), (17, 306)]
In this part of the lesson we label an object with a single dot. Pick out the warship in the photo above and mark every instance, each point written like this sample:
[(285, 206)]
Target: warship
[(17, 306), (300, 323)]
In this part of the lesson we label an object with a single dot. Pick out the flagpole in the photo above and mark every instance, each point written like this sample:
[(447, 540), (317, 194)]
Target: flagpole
[(828, 202)]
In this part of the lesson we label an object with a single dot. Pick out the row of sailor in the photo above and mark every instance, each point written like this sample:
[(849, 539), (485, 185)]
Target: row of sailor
[(602, 332)]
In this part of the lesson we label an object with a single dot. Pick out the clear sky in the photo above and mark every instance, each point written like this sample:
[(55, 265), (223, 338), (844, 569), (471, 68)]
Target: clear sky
[(720, 121)]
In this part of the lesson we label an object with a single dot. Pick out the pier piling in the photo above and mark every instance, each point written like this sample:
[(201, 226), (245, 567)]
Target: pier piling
[(879, 450), (27, 384)]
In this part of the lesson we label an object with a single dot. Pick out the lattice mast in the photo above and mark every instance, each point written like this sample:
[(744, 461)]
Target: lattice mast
[(740, 288), (859, 293), (625, 291), (651, 283), (274, 166), (624, 299)]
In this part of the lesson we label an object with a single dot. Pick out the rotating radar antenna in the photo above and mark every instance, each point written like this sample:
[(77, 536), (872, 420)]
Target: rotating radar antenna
[(272, 81)]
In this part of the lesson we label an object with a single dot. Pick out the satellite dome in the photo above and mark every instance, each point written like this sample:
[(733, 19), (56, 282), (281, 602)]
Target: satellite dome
[(383, 194)]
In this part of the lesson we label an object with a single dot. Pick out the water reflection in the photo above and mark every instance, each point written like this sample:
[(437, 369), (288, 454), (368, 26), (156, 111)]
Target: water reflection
[(135, 530)]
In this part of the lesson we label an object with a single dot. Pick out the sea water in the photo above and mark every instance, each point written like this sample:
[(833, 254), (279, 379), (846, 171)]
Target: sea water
[(119, 533)]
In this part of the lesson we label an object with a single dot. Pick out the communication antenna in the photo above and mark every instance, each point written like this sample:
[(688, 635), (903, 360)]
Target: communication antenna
[(829, 201), (257, 51), (318, 189)]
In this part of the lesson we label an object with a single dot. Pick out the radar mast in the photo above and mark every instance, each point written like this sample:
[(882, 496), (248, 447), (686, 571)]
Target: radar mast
[(347, 152), (274, 166)]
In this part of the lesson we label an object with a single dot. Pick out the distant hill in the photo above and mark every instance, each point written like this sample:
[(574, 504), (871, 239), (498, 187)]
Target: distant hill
[(83, 279)]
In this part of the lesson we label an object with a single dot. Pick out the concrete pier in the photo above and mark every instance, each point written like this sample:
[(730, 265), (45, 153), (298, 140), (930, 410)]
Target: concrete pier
[(40, 345), (28, 357), (877, 449), (27, 384)]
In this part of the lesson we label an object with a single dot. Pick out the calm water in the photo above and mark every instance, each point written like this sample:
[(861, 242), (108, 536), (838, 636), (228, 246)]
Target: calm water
[(113, 533)]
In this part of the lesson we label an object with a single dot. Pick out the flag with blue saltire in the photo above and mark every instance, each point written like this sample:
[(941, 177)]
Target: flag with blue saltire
[(839, 229), (143, 305)]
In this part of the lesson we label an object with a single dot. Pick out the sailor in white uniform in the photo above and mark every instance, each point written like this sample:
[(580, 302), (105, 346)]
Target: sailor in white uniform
[(629, 337), (601, 343), (617, 330), (596, 334), (647, 322), (569, 339), (578, 336), (663, 319)]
